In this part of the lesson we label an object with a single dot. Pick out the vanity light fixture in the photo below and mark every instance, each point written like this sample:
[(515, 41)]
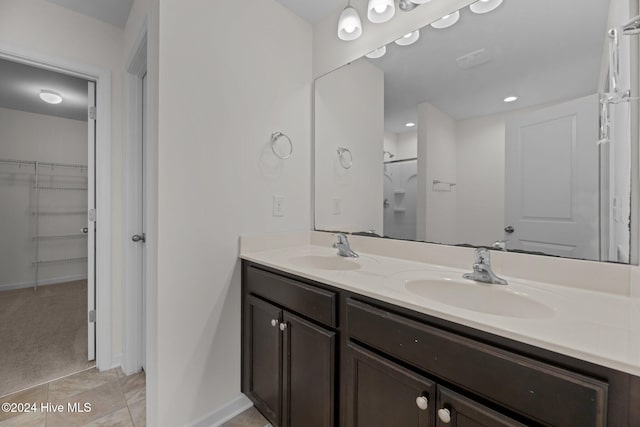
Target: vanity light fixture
[(50, 96), (410, 124), (485, 6), (510, 99), (408, 39), (447, 20), (349, 24), (378, 53), (379, 11)]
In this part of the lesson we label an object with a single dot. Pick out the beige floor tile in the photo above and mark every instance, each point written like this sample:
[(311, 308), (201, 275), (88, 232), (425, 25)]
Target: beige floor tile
[(30, 419), (134, 387), (119, 418), (67, 387), (35, 395), (249, 418), (138, 412), (104, 400)]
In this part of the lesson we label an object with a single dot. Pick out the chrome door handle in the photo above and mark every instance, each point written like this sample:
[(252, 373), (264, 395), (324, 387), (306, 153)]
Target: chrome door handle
[(139, 238)]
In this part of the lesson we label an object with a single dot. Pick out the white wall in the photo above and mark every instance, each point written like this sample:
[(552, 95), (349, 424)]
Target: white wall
[(36, 137), (231, 74), (407, 145), (27, 24), (349, 112), (437, 210), (480, 181)]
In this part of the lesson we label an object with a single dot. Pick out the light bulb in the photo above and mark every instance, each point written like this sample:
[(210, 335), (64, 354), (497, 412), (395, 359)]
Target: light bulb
[(510, 99), (379, 11), (378, 53), (485, 6), (447, 20), (408, 39), (349, 24)]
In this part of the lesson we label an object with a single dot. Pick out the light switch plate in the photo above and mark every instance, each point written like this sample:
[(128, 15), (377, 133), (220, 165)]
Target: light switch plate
[(278, 205)]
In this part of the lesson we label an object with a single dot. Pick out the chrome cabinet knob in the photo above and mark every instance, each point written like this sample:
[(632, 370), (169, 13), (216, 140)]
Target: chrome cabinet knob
[(444, 415), (422, 402), (274, 322), (509, 229), (283, 326), (84, 230)]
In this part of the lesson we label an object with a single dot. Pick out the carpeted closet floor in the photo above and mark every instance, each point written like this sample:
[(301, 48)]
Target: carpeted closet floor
[(43, 334)]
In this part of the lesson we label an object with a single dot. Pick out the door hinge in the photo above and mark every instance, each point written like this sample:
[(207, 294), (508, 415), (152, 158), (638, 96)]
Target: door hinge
[(92, 316), (92, 113), (92, 215)]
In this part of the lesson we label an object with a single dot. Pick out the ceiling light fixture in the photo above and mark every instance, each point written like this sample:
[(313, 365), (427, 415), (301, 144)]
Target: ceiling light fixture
[(349, 24), (409, 38), (447, 20), (379, 11), (510, 99), (378, 53), (50, 97), (410, 124), (485, 6)]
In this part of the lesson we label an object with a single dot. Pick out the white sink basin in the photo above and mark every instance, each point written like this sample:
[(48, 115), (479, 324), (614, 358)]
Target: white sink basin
[(333, 262), (498, 300)]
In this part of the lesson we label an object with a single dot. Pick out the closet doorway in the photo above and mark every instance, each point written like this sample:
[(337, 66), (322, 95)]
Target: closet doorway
[(47, 218)]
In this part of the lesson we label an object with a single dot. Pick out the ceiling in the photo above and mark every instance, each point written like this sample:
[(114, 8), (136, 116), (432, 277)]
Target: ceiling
[(313, 10), (542, 51), (20, 87), (114, 12)]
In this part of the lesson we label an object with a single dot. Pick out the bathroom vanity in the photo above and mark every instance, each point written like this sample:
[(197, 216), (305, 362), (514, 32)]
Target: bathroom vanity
[(321, 353)]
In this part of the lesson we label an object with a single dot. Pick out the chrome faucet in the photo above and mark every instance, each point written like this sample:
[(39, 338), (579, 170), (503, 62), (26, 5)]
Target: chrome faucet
[(343, 246), (482, 271)]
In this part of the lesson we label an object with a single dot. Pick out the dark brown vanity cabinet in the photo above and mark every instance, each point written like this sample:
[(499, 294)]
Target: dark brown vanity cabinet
[(399, 368), (381, 393), (288, 360)]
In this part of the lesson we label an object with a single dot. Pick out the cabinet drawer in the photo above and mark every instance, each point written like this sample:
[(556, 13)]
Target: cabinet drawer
[(308, 300), (544, 393)]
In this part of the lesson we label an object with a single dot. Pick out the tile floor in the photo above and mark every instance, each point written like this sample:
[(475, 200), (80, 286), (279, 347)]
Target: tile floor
[(115, 400), (249, 418)]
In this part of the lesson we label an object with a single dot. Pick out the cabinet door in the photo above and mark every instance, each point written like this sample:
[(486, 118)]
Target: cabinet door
[(459, 411), (384, 394), (309, 374), (264, 358)]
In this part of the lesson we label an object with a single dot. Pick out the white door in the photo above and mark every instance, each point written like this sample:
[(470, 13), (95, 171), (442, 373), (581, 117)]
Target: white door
[(551, 172), (91, 223)]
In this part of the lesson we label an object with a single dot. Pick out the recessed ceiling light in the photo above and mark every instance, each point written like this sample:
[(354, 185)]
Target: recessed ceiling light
[(378, 53), (484, 6), (511, 99), (447, 20), (50, 96), (410, 124), (409, 38)]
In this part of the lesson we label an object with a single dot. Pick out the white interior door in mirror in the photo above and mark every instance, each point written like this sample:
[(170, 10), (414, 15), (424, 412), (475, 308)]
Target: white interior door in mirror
[(551, 198)]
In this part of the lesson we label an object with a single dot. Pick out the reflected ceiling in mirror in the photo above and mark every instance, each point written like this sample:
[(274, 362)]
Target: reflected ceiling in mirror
[(484, 133)]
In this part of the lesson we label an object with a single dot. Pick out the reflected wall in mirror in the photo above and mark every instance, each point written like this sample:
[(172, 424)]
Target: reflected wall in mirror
[(486, 133)]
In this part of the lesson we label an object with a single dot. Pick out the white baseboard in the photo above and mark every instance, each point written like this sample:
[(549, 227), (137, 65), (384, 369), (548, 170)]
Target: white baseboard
[(54, 281), (225, 412)]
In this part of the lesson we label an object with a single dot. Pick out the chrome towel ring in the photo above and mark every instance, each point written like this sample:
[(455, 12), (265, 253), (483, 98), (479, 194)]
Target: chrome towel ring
[(346, 158), (275, 136)]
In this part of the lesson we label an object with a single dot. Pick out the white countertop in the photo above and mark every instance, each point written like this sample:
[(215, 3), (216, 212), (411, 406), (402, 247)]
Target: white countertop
[(598, 327)]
